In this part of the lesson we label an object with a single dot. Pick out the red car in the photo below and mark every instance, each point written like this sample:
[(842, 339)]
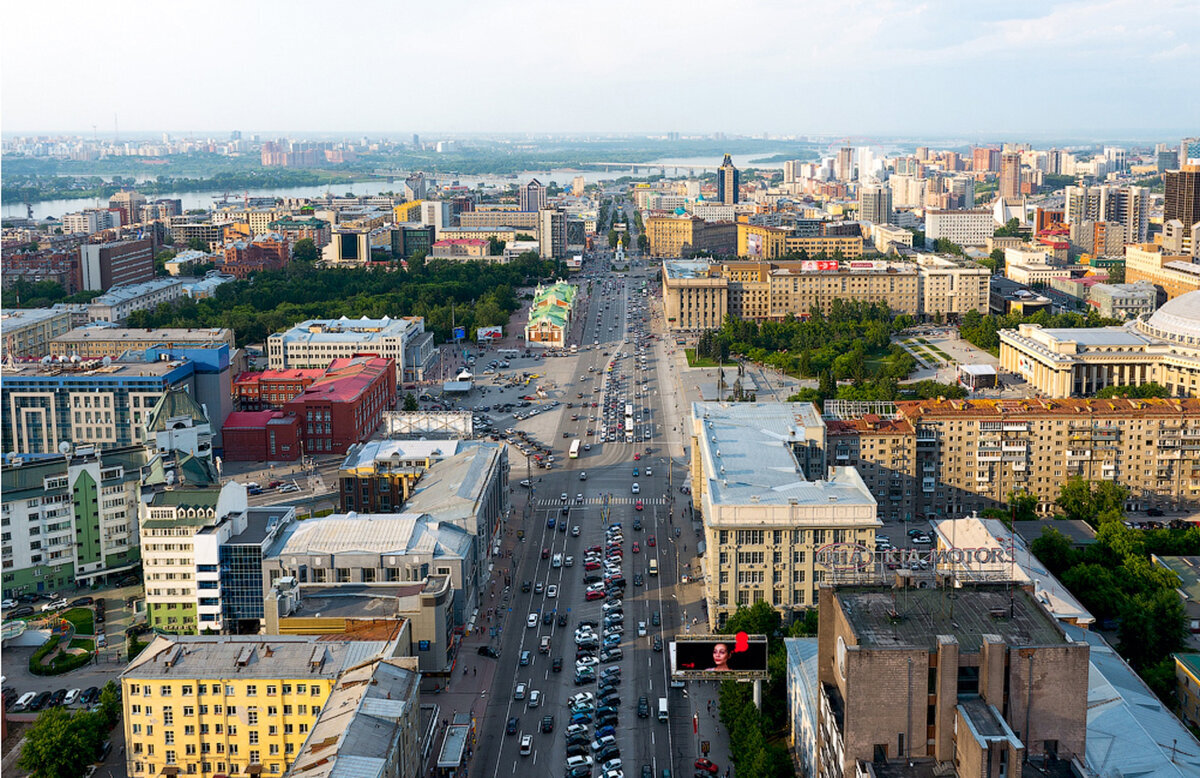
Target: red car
[(597, 549), (592, 566), (594, 596), (638, 506), (651, 542), (545, 553), (636, 457), (706, 765), (636, 547)]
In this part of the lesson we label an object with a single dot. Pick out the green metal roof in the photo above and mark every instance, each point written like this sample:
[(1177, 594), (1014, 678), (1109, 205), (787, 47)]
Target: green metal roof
[(173, 404)]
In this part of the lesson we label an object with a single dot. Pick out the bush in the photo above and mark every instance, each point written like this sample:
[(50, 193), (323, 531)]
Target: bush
[(63, 663)]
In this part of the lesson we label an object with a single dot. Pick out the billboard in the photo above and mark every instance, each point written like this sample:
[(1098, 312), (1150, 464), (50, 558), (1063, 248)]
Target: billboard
[(484, 334), (810, 265), (739, 656), (754, 245), (460, 333)]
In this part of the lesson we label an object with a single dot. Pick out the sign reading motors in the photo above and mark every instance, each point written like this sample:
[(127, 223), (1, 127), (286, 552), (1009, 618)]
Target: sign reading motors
[(854, 557)]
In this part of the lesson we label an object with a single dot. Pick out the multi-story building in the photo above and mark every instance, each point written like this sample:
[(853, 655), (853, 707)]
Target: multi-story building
[(966, 228), (345, 405), (844, 165), (61, 267), (464, 250), (271, 388), (693, 297), (875, 203), (293, 229), (526, 221), (28, 332), (728, 183), (1182, 194), (550, 315), (70, 519), (950, 287), (888, 239), (1010, 175), (978, 676), (212, 705), (263, 251), (1124, 206), (687, 236), (1172, 274), (1124, 301), (105, 265), (115, 305), (316, 342), (129, 204), (184, 231), (552, 233), (91, 220), (99, 342), (532, 196), (759, 481)]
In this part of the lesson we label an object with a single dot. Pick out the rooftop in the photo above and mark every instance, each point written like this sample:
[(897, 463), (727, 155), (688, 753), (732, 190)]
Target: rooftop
[(251, 656), (364, 330), (452, 489), (1188, 570), (345, 379), (121, 294), (395, 534), (923, 410), (883, 617), (93, 369), (382, 453), (22, 317), (362, 601), (138, 335)]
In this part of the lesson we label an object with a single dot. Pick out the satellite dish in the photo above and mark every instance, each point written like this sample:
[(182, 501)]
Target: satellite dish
[(107, 361), (170, 477), (75, 358), (64, 447), (47, 359)]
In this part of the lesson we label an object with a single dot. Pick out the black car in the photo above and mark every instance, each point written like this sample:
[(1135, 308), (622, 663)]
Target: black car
[(562, 619), (643, 708), (654, 619), (548, 618), (19, 611), (580, 680), (556, 665), (81, 601), (613, 700), (592, 578), (526, 586), (57, 698), (547, 723), (39, 701), (606, 753), (610, 680), (577, 750), (657, 643), (647, 771), (489, 651), (637, 579), (512, 726), (1154, 512), (90, 695)]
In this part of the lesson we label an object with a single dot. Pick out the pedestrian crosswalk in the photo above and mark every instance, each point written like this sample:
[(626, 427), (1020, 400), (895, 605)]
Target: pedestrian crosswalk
[(552, 503)]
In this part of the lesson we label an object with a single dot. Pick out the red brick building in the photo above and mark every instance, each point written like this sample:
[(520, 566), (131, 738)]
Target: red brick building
[(345, 405), (261, 436), (271, 388), (43, 266), (261, 252)]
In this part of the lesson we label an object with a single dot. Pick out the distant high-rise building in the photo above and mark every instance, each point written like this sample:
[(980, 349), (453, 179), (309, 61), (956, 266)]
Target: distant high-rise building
[(416, 140), (985, 160), (790, 167), (875, 203), (1127, 206), (235, 135), (415, 187), (1182, 196), (532, 196), (1010, 174), (728, 182), (577, 186), (1115, 157), (128, 203), (962, 192), (845, 164), (1188, 148)]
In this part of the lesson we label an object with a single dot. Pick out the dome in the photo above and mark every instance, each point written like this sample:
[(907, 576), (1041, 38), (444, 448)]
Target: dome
[(1178, 321)]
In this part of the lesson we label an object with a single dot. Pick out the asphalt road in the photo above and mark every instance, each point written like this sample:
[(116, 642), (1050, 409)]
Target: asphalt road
[(609, 476)]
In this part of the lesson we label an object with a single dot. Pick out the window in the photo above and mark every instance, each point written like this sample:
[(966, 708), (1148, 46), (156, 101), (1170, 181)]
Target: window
[(272, 691), (252, 716), (251, 690)]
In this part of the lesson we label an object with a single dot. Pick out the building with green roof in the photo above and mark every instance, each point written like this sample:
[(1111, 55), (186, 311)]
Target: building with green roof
[(550, 315)]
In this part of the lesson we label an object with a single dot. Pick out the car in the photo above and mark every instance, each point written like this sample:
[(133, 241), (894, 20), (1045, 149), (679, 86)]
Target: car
[(513, 724), (608, 753), (545, 553), (579, 761), (535, 698), (649, 471), (519, 692), (575, 531), (548, 618), (562, 619), (72, 697), (526, 658), (607, 730), (601, 743), (526, 745), (54, 605), (636, 488), (550, 521), (576, 729), (1154, 512), (636, 456), (611, 764), (658, 644), (706, 765), (563, 497), (82, 601), (594, 595), (577, 749), (587, 662), (57, 698), (637, 579), (655, 619), (39, 701), (539, 588), (641, 629), (643, 708), (19, 611), (582, 697), (636, 548), (651, 542), (90, 695), (532, 621), (647, 771), (638, 506), (526, 586), (488, 651), (556, 664), (612, 655), (584, 678), (635, 472), (552, 590)]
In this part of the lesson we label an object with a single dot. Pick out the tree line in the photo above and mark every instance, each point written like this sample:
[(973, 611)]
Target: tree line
[(984, 331)]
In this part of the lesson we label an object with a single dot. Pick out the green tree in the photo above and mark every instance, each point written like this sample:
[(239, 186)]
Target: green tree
[(196, 244), (410, 402), (1144, 391), (1075, 499), (110, 706), (759, 619), (613, 237), (305, 250), (1054, 549), (495, 246), (61, 745), (1011, 229)]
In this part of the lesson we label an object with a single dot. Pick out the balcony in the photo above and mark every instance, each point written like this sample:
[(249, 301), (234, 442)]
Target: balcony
[(928, 485), (1078, 454), (1020, 467), (988, 455)]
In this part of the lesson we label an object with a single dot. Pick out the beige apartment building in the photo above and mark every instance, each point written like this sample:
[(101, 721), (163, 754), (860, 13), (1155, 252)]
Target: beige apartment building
[(768, 503), (98, 342), (1172, 274), (693, 299), (951, 287), (685, 236), (938, 458), (28, 332)]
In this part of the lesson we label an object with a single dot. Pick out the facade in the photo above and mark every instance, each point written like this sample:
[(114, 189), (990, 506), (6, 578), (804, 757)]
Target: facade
[(875, 203), (525, 221), (84, 402), (532, 196), (693, 297), (950, 287), (316, 342), (70, 519), (370, 726), (463, 250), (184, 231), (271, 389), (98, 342), (105, 265), (1008, 296), (91, 220), (687, 236), (552, 233), (965, 228), (60, 267), (294, 229), (344, 406), (993, 691), (550, 315), (1172, 274), (728, 183), (262, 436), (1182, 195), (1123, 208), (759, 481), (212, 705), (115, 305), (264, 251), (129, 204), (29, 331), (1124, 301), (967, 455), (888, 239)]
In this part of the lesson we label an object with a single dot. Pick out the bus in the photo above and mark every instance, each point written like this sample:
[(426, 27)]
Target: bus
[(574, 452), (629, 410), (508, 353)]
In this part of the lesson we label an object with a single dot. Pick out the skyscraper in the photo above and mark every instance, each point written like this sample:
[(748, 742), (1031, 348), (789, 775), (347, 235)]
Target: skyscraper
[(532, 196), (1182, 196), (790, 168), (845, 164), (1188, 148), (728, 182), (1010, 174), (875, 203)]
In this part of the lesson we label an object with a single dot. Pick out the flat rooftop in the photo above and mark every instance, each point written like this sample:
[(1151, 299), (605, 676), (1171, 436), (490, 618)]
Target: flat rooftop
[(90, 369), (883, 617), (360, 601), (1079, 409), (84, 334), (682, 268), (386, 452), (251, 656)]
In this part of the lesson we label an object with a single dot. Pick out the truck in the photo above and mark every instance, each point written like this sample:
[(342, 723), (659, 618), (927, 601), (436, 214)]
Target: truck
[(662, 709)]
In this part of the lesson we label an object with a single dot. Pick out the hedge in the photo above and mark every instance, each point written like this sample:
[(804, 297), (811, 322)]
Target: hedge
[(63, 663)]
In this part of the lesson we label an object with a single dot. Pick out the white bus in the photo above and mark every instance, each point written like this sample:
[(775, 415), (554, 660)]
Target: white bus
[(574, 452), (508, 353), (628, 410)]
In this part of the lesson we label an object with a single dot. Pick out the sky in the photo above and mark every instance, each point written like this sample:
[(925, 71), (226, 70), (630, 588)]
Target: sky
[(857, 67)]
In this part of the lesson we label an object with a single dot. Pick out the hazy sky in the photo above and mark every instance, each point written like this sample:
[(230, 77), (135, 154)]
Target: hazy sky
[(941, 67)]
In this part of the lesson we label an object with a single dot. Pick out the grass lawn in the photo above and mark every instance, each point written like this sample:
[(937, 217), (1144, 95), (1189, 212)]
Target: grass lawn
[(694, 361), (82, 618), (87, 645)]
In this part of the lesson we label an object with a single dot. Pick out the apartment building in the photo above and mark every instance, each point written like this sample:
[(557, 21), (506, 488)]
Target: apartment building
[(977, 676), (686, 236), (756, 241), (184, 231), (965, 228), (1172, 274), (759, 481), (212, 705), (294, 229), (693, 297), (70, 519), (317, 342), (29, 331), (950, 287), (968, 455), (98, 342), (91, 220), (105, 265), (115, 305)]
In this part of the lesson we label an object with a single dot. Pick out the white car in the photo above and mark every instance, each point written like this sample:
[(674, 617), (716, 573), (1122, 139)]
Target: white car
[(649, 471), (636, 488), (72, 697), (581, 698), (532, 621), (526, 745), (535, 698), (54, 605), (552, 590), (8, 604), (519, 694)]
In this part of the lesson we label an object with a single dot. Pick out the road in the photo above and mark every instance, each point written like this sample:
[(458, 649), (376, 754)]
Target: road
[(609, 469)]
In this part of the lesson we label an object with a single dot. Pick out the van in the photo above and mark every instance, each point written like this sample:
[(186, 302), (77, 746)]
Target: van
[(557, 561), (653, 569), (662, 709)]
